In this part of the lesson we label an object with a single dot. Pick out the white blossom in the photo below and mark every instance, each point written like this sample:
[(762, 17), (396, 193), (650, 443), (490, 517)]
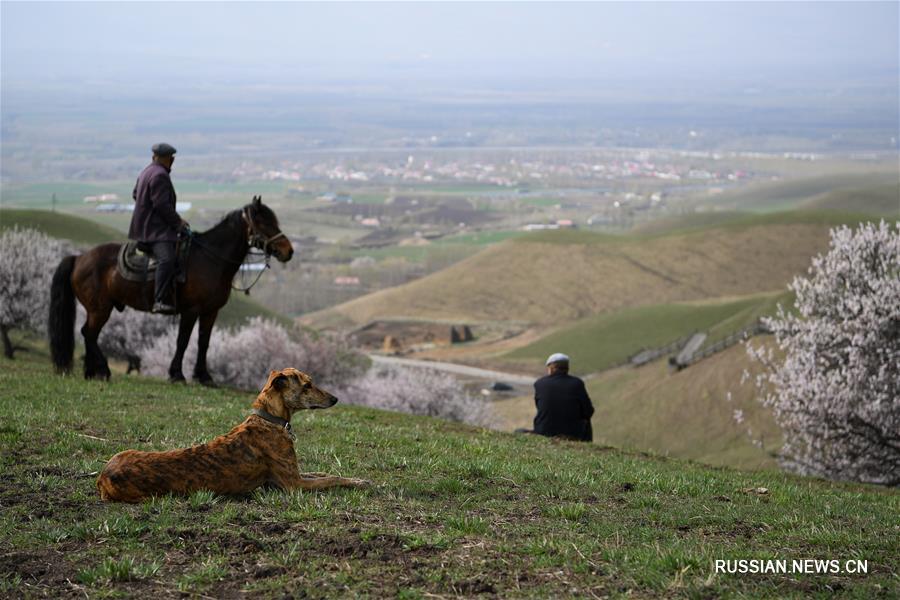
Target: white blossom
[(417, 391), (127, 334), (244, 356), (836, 393), (28, 259)]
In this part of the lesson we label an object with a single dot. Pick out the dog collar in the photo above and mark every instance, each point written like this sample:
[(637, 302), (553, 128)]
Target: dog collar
[(283, 423)]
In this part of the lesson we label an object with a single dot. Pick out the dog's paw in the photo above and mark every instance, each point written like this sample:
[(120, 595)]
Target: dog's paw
[(352, 482)]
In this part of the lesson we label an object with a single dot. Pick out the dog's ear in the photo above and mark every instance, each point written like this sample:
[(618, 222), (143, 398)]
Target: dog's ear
[(280, 382)]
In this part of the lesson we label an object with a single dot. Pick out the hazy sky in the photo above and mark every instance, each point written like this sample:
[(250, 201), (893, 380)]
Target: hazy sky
[(295, 43)]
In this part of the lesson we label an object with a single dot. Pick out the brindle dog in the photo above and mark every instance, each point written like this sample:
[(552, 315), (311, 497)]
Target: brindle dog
[(259, 451)]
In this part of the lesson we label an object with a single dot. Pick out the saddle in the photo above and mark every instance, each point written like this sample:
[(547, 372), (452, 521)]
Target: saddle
[(136, 262)]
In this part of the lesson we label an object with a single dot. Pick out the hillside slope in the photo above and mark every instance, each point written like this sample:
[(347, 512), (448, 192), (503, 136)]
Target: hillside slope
[(601, 341), (685, 414), (556, 277), (803, 193), (60, 225), (453, 511), (880, 200)]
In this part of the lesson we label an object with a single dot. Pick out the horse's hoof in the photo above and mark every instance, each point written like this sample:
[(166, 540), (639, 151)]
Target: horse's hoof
[(206, 381), (177, 379)]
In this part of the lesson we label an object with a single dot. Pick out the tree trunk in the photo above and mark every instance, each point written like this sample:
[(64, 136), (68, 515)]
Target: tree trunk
[(7, 344)]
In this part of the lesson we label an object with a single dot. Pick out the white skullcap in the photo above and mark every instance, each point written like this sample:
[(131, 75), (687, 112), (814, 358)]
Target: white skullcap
[(558, 357)]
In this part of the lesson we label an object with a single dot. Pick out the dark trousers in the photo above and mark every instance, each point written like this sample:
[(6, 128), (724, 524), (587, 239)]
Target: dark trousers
[(164, 252)]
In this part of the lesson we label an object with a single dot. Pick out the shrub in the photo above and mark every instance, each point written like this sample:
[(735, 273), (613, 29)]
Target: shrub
[(416, 391), (128, 333), (243, 357), (27, 261), (836, 393)]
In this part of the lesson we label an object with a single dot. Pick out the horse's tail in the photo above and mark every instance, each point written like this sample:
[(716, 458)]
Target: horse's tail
[(61, 324)]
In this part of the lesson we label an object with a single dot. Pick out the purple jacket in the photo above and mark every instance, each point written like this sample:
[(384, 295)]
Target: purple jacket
[(154, 218)]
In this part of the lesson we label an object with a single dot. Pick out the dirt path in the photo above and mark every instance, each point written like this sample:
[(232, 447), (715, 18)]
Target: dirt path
[(465, 370)]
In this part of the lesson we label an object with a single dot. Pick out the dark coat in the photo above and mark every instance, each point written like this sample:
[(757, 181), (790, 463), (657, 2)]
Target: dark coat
[(563, 407), (154, 218)]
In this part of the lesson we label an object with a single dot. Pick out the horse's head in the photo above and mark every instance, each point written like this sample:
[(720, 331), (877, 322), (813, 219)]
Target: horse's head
[(263, 231)]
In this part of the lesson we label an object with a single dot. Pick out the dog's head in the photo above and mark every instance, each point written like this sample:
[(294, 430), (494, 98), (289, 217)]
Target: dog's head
[(289, 390)]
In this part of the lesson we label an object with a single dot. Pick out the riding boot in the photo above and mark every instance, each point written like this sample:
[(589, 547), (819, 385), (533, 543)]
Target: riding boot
[(164, 302)]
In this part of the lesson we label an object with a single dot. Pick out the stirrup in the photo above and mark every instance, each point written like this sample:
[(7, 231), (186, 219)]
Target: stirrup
[(163, 309)]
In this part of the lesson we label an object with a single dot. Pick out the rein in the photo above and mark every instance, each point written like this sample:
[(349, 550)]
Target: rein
[(246, 290)]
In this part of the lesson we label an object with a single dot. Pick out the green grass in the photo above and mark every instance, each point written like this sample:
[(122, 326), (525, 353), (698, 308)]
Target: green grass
[(248, 189), (799, 193), (70, 195), (602, 341), (481, 238), (453, 510), (39, 195), (451, 248), (700, 223), (541, 202), (689, 413), (60, 225), (882, 200)]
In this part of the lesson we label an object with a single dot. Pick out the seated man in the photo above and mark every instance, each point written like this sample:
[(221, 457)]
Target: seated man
[(563, 405)]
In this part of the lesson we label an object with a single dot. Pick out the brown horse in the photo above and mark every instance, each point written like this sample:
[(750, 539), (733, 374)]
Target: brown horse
[(213, 260)]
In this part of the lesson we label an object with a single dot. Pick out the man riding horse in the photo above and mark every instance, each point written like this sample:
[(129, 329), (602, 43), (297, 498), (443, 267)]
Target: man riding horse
[(156, 224), (100, 280)]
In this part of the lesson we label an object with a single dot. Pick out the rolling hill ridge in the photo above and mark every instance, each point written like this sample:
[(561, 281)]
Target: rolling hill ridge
[(554, 277)]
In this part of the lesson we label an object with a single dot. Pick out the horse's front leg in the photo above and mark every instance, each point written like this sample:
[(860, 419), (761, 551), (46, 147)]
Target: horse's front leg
[(201, 373), (95, 365), (185, 327)]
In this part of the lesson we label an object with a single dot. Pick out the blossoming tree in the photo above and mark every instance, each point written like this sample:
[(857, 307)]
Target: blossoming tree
[(836, 392), (27, 260)]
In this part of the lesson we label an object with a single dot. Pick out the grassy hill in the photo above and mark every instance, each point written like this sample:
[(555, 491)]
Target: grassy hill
[(686, 414), (804, 193), (601, 341), (453, 510), (561, 276), (60, 225), (881, 200)]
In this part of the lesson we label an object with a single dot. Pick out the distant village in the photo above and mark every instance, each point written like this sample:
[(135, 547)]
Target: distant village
[(505, 169)]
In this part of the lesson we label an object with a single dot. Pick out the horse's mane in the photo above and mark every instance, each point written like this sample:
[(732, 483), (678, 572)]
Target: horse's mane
[(231, 221)]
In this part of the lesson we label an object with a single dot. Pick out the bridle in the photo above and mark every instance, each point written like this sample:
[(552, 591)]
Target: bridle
[(255, 238)]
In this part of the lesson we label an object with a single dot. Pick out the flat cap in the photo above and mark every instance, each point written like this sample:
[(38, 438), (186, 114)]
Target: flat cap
[(163, 149), (558, 357)]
